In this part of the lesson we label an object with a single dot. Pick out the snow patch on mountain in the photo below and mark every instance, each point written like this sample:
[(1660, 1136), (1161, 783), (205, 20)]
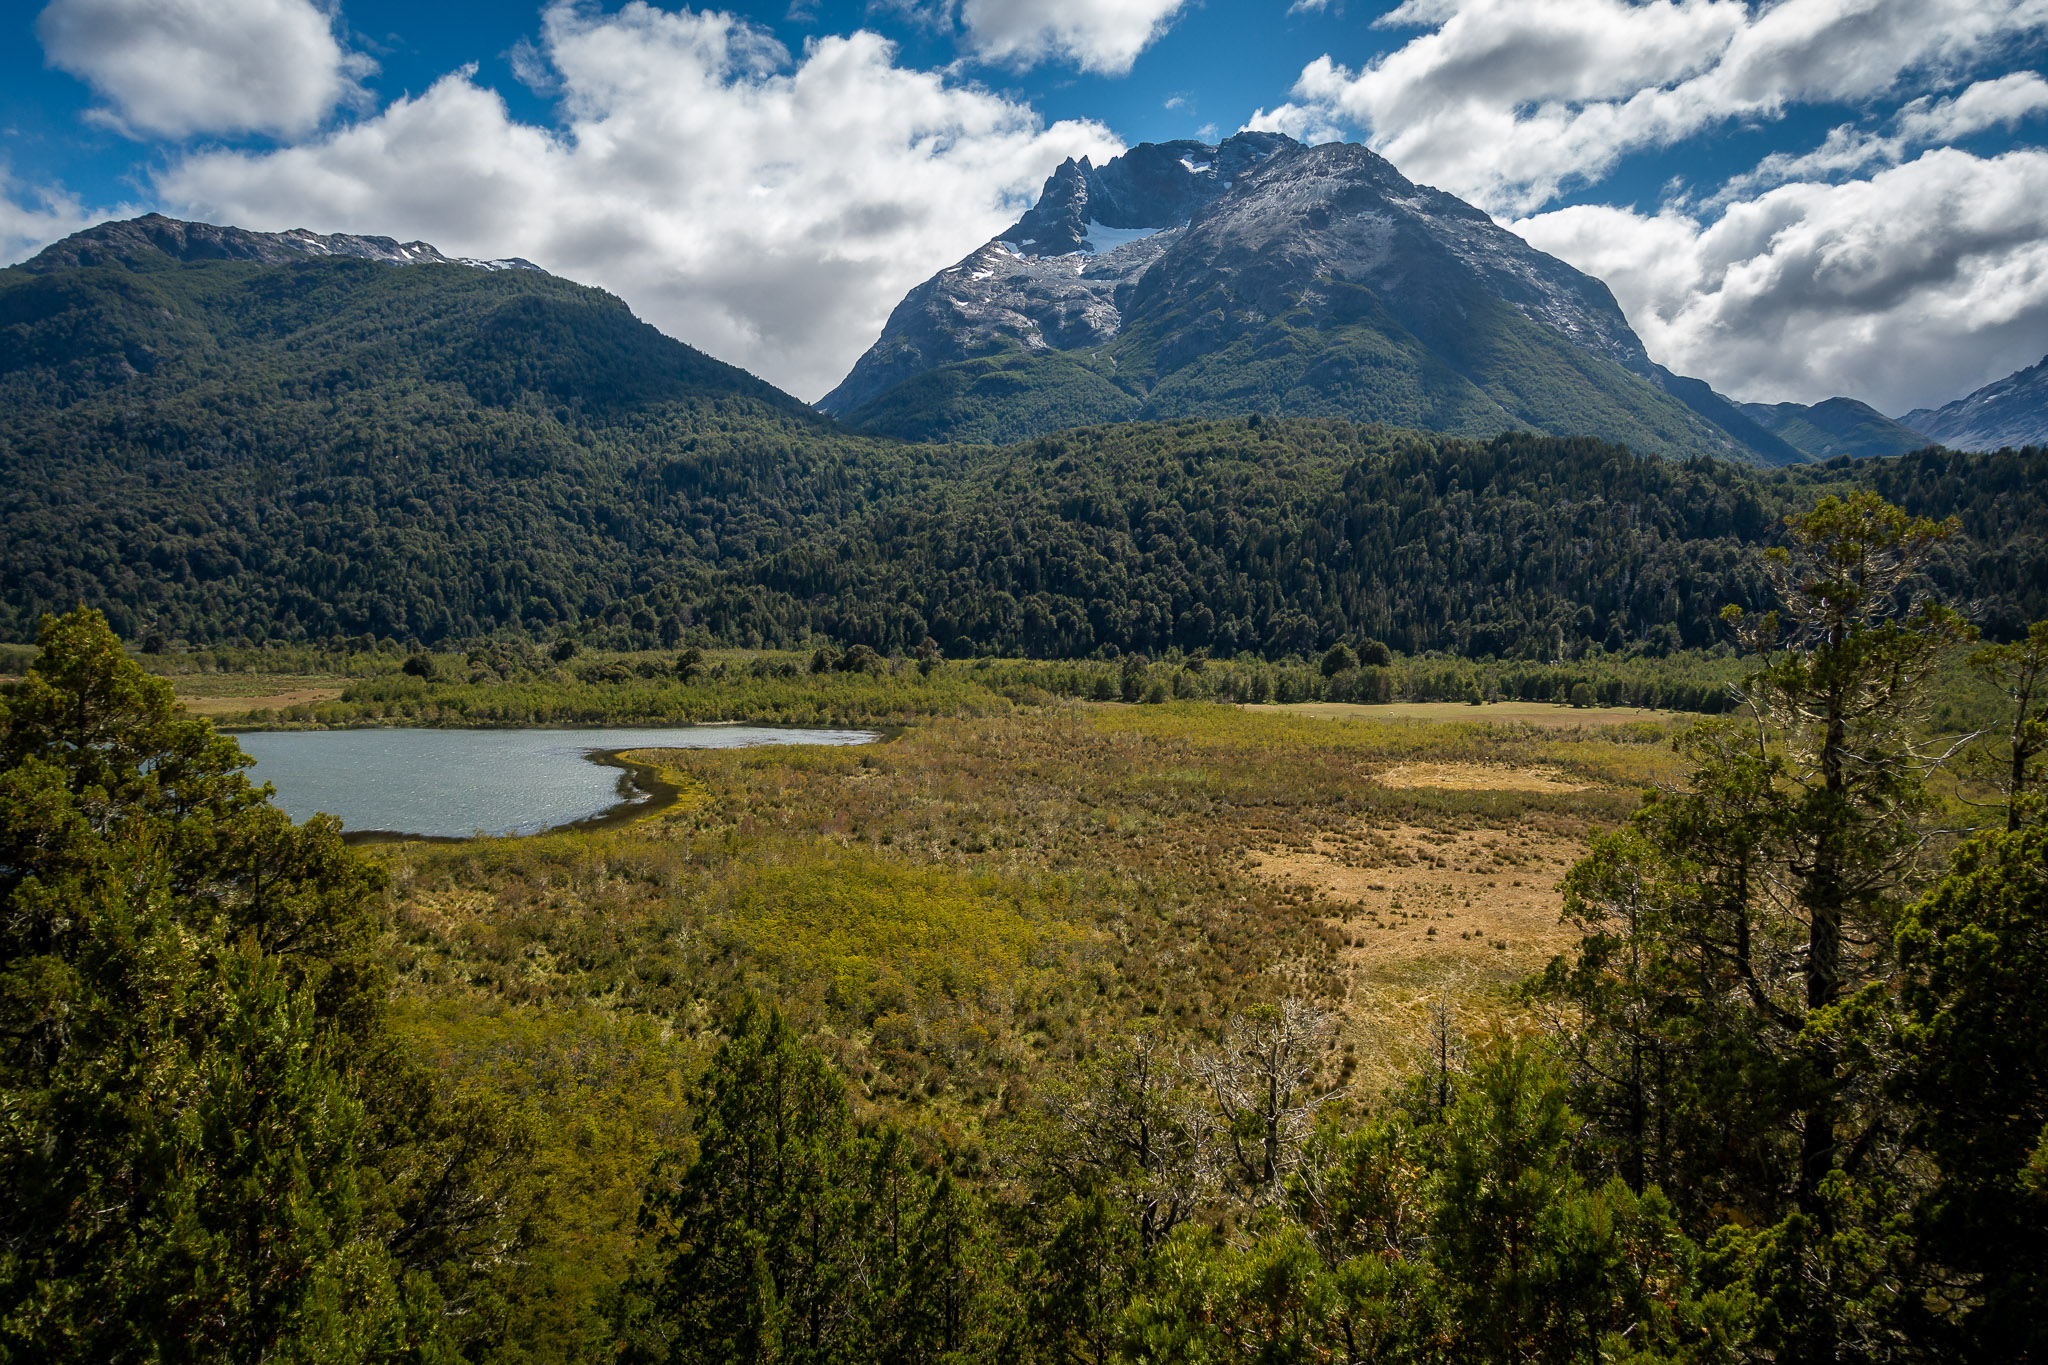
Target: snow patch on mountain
[(1102, 239)]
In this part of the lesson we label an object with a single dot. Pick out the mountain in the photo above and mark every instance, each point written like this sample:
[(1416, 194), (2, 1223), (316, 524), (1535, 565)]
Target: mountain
[(1183, 279), (218, 433), (154, 242), (1838, 426), (327, 445), (2011, 412)]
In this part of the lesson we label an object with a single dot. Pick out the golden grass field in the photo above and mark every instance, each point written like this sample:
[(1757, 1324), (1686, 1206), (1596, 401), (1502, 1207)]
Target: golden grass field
[(980, 895), (1547, 715), (958, 914)]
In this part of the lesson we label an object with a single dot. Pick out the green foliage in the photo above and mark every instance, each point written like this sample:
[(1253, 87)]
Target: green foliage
[(790, 1235), (1737, 1005), (1284, 538), (1467, 1236), (1976, 956), (2019, 670), (211, 1146)]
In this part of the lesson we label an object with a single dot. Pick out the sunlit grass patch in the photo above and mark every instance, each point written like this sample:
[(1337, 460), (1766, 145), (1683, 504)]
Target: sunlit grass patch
[(867, 934), (1209, 725)]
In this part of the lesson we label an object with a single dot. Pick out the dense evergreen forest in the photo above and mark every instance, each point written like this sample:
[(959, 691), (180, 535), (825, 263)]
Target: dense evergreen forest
[(1283, 538), (224, 452), (239, 451), (1787, 1099)]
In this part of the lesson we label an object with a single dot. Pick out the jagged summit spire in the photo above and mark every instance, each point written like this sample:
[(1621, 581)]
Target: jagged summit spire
[(1152, 186)]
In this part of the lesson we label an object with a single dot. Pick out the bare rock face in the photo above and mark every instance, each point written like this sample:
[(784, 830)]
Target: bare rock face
[(1340, 214), (154, 240), (1058, 279)]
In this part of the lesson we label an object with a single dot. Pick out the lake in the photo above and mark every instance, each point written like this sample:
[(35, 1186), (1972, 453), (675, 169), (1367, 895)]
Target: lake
[(455, 783)]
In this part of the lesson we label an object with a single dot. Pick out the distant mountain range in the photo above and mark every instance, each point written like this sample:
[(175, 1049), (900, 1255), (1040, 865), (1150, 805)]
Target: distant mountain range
[(219, 435), (1187, 279), (2010, 412), (1836, 426)]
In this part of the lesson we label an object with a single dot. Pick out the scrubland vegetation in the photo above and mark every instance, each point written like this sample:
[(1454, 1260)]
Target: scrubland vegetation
[(1058, 1027), (501, 684)]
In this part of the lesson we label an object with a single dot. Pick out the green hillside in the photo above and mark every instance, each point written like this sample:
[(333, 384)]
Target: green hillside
[(1838, 426), (335, 447), (1282, 536)]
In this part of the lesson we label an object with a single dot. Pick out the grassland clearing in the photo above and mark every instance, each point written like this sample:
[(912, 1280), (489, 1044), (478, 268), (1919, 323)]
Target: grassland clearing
[(1542, 714), (984, 894), (230, 695), (1496, 777), (241, 704), (1430, 918)]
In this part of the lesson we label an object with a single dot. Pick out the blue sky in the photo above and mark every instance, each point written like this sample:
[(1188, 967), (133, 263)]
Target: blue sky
[(1790, 199)]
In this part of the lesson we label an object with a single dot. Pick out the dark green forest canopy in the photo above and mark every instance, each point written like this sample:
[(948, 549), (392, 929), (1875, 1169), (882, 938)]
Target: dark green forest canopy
[(221, 451)]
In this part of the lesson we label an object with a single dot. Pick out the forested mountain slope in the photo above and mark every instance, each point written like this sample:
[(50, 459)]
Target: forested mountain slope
[(1837, 426), (332, 446), (1281, 537)]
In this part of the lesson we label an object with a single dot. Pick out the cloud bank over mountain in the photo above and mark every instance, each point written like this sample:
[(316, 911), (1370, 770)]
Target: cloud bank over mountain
[(1884, 264)]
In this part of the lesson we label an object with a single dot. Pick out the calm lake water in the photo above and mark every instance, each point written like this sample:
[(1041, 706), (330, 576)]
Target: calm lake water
[(453, 783)]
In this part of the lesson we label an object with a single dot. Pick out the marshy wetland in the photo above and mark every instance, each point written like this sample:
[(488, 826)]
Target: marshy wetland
[(967, 910)]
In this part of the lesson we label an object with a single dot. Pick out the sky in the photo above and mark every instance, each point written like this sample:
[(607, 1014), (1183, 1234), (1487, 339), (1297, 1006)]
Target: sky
[(1791, 199)]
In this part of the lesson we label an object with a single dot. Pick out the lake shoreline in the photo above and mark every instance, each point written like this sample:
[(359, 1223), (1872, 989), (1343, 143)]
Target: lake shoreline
[(408, 784)]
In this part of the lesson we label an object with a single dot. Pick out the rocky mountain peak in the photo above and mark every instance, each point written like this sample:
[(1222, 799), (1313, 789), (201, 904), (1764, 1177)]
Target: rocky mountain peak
[(153, 241), (1154, 185)]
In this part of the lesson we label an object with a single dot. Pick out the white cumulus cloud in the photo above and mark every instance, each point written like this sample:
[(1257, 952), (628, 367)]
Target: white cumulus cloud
[(2004, 102), (1906, 289), (175, 68), (1508, 102), (34, 216), (770, 211), (1095, 35)]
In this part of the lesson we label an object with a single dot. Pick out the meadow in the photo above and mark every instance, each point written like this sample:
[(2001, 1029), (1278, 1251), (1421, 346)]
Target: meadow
[(961, 915)]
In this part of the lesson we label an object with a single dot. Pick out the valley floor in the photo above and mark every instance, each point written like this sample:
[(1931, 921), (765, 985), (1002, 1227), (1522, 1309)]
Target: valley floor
[(959, 914)]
